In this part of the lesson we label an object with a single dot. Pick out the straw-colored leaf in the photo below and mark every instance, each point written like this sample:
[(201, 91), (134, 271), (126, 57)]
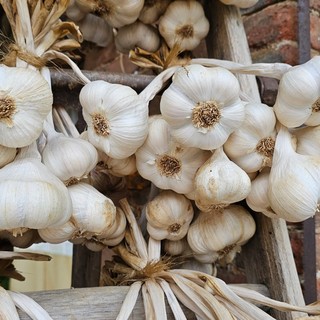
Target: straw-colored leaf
[(129, 301), (172, 300), (10, 255), (29, 306), (8, 310), (154, 249), (148, 307), (157, 299)]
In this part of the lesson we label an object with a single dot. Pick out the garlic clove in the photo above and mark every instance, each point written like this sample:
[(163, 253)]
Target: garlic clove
[(152, 10), (24, 105), (7, 155), (220, 182), (177, 247), (294, 191), (202, 106)]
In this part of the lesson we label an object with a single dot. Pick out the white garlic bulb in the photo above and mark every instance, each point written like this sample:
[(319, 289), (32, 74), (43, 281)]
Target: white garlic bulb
[(308, 140), (93, 213), (298, 98), (66, 157), (96, 30), (257, 199), (202, 106), (167, 164), (251, 146), (117, 13), (177, 247), (7, 155), (243, 4), (294, 190), (152, 10), (184, 23), (220, 182), (117, 118), (25, 101), (30, 195), (214, 234), (169, 215), (135, 35)]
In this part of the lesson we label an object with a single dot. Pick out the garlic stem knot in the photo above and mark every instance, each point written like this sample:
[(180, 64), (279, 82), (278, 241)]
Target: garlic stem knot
[(266, 146), (175, 227), (168, 166), (186, 31), (206, 114), (100, 124), (316, 106), (71, 181), (223, 252), (7, 109)]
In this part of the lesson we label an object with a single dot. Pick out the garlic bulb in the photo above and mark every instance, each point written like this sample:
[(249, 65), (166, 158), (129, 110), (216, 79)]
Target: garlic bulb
[(139, 35), (184, 23), (24, 105), (152, 10), (68, 158), (166, 163), (257, 199), (243, 4), (214, 234), (117, 118), (59, 234), (7, 155), (93, 213), (220, 182), (294, 190), (169, 215), (202, 106), (117, 13), (298, 98), (74, 13), (30, 195), (251, 146), (308, 140), (177, 247), (96, 30)]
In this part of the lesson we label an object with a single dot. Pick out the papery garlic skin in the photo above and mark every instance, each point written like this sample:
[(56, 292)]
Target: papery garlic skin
[(257, 199), (7, 155), (116, 13), (184, 23), (169, 215), (166, 163), (251, 146), (117, 118), (68, 158), (25, 101), (93, 213), (152, 10), (31, 196), (214, 234), (220, 182), (139, 35), (294, 190), (202, 106), (299, 95)]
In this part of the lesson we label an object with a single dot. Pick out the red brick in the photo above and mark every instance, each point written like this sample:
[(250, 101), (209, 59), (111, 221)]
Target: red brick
[(259, 6), (315, 30), (315, 4), (273, 23)]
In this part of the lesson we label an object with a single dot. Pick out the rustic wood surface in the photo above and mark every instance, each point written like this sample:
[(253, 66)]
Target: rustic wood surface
[(268, 256)]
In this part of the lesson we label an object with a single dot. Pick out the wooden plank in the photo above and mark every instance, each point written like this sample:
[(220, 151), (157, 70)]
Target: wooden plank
[(268, 256), (97, 303)]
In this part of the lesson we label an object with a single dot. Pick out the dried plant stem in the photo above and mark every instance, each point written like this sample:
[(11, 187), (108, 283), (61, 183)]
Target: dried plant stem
[(154, 250), (58, 122), (8, 310), (129, 301), (148, 307), (67, 122), (157, 299)]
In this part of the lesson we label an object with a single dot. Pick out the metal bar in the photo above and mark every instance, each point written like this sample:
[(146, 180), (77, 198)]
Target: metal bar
[(309, 242)]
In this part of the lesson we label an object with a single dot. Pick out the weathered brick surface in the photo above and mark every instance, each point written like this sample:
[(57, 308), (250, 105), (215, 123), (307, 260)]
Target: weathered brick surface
[(272, 24), (315, 29)]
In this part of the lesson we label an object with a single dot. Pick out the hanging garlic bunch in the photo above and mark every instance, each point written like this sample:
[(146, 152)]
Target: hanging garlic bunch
[(30, 195), (298, 95), (294, 190), (308, 140), (257, 199), (202, 106), (152, 10), (68, 158), (215, 234), (251, 146), (117, 13), (137, 34), (117, 118), (184, 24), (24, 105), (169, 215), (220, 182), (166, 163), (7, 155)]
